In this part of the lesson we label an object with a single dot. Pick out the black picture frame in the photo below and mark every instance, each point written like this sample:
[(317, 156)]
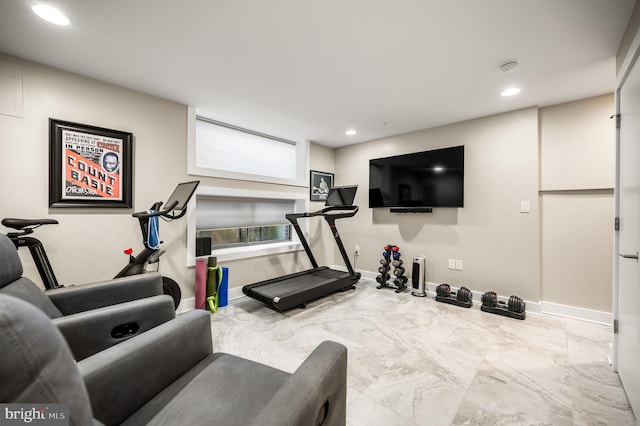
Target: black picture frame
[(89, 166), (319, 184)]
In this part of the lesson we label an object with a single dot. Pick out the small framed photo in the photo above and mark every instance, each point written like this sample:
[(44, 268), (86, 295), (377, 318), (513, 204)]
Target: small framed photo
[(319, 184), (89, 166)]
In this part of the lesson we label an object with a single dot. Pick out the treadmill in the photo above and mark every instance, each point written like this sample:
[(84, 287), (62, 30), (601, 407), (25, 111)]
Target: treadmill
[(297, 289)]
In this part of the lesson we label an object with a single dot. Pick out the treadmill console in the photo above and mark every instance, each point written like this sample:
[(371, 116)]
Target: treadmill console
[(341, 195)]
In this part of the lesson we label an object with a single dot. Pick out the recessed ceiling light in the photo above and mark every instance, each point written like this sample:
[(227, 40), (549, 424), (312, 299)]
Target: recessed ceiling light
[(50, 14), (350, 132), (511, 91)]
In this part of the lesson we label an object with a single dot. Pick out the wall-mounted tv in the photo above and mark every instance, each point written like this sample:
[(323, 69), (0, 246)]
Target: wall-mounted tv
[(423, 179)]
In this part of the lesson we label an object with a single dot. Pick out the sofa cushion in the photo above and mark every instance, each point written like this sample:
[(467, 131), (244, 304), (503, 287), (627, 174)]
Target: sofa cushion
[(25, 289), (35, 363), (10, 264), (14, 284), (222, 389)]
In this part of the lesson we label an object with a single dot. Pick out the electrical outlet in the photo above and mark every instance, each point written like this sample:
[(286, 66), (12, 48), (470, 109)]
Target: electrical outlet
[(452, 264), (357, 250), (458, 265)]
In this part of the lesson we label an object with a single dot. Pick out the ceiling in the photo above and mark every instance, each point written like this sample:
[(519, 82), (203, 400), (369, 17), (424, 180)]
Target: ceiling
[(310, 70)]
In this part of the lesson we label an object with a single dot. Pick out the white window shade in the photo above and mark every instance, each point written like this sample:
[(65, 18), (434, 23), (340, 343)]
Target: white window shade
[(272, 204), (234, 212), (229, 149)]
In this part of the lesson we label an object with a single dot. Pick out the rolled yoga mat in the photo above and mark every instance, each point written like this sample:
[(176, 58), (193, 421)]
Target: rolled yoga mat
[(223, 297), (214, 279), (201, 282)]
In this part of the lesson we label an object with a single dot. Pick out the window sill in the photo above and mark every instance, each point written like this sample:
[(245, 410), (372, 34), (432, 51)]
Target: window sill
[(247, 252)]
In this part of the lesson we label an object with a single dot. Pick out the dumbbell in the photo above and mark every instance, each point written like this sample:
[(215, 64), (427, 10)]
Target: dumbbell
[(382, 279), (443, 290), (463, 297), (398, 272), (514, 308)]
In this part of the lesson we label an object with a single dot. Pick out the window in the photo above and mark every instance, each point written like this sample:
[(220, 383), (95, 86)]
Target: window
[(222, 150), (243, 223), (244, 236)]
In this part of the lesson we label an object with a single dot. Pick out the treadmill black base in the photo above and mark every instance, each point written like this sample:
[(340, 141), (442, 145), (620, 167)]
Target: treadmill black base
[(297, 289)]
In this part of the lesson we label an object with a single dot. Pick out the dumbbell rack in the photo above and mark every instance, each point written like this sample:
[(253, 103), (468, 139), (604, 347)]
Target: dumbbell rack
[(391, 257)]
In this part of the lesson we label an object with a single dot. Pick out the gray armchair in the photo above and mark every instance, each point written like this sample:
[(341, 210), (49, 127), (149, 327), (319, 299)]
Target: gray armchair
[(94, 316), (168, 375)]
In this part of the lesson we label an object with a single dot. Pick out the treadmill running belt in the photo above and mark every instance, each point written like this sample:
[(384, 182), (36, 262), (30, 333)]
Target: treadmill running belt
[(293, 285), (299, 288)]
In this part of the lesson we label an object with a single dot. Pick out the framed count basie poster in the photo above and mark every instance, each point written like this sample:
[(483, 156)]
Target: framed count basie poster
[(89, 166), (319, 184)]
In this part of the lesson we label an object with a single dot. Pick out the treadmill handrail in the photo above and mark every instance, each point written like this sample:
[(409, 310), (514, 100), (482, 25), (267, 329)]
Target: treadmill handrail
[(352, 210), (330, 217)]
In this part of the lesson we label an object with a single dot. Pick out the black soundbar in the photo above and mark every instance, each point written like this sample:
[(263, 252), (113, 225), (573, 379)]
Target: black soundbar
[(411, 210)]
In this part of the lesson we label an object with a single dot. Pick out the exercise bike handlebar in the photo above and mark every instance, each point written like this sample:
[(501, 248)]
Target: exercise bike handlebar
[(155, 211)]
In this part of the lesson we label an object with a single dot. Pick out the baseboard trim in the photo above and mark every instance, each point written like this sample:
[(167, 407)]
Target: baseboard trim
[(235, 293), (186, 305), (189, 304), (584, 314), (542, 307)]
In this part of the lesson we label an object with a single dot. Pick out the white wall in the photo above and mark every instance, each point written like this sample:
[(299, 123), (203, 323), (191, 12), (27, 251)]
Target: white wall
[(497, 244), (577, 163), (577, 145), (320, 239), (87, 244), (500, 246), (561, 252), (577, 249)]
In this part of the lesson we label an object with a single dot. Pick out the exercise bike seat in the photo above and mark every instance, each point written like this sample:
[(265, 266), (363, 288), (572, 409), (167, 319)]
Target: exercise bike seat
[(20, 224)]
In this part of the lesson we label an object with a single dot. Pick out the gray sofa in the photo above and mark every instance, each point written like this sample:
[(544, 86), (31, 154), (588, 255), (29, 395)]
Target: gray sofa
[(92, 316), (168, 375)]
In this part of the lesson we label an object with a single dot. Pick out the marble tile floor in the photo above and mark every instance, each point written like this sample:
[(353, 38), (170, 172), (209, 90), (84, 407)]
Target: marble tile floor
[(415, 361)]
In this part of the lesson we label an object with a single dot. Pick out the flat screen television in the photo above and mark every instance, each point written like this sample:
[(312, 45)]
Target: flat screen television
[(423, 179)]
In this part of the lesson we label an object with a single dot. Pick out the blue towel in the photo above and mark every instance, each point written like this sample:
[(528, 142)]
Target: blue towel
[(153, 240)]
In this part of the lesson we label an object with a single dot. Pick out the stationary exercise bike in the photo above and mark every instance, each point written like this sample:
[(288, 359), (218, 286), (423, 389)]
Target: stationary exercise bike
[(175, 208)]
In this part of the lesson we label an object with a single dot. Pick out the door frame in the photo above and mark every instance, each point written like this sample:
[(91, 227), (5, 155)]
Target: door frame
[(630, 60)]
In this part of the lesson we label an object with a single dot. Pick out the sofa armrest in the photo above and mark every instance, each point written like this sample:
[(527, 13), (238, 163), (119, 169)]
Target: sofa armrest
[(80, 298), (155, 359), (315, 394), (89, 332)]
